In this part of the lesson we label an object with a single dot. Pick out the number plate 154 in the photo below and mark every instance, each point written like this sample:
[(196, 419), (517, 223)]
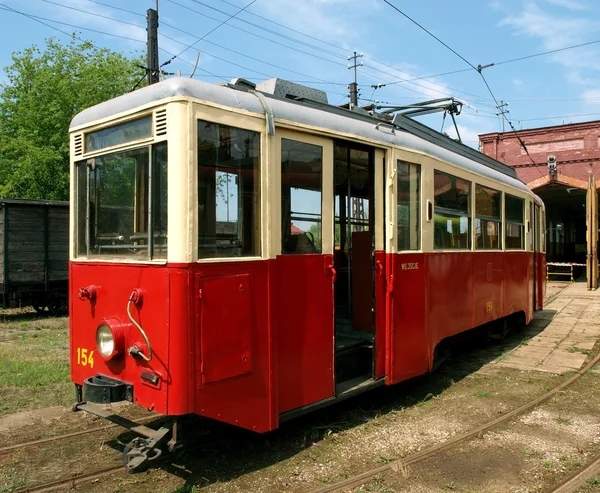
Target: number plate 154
[(85, 357)]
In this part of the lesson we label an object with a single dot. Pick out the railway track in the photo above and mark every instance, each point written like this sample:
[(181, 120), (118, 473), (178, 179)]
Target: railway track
[(578, 480), (401, 464), (66, 436), (353, 481)]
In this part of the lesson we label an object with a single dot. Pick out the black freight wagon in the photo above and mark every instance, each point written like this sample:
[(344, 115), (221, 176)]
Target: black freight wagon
[(34, 254)]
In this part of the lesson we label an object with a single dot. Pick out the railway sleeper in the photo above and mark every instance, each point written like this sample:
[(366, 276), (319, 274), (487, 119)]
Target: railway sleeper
[(142, 450)]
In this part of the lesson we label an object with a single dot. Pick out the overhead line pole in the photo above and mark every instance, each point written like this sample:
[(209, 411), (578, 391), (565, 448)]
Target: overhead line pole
[(353, 86), (153, 70)]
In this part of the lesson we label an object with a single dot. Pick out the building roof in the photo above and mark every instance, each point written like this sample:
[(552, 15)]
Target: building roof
[(566, 126)]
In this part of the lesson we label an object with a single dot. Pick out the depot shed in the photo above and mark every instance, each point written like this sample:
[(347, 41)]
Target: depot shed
[(34, 253)]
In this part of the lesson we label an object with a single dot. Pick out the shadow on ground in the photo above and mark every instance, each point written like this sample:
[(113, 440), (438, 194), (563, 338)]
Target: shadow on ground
[(217, 452)]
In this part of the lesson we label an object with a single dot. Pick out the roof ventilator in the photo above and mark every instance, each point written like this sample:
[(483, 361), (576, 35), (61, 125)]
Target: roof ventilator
[(284, 89)]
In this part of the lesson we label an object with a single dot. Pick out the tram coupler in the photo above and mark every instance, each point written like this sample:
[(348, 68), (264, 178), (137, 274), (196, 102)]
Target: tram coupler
[(144, 449)]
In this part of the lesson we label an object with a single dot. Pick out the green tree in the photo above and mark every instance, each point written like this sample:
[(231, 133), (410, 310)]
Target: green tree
[(43, 92)]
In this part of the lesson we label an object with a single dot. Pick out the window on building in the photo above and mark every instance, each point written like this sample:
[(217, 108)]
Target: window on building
[(228, 191), (301, 178), (514, 212), (452, 212), (488, 221), (409, 206)]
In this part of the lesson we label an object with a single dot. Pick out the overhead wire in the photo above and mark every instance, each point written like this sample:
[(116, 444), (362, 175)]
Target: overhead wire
[(93, 13), (263, 28), (208, 33), (289, 28), (246, 56), (96, 14), (255, 35), (478, 70), (344, 49), (42, 19)]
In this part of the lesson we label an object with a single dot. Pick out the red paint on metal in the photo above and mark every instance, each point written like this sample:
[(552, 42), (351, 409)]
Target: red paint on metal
[(380, 313), (541, 279), (225, 327), (241, 342), (488, 287), (407, 344), (243, 400), (181, 376), (114, 285), (450, 293), (304, 299), (516, 282)]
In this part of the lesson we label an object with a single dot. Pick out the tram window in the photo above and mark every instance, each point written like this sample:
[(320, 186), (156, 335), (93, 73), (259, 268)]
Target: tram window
[(409, 206), (515, 224), (228, 191), (119, 134), (159, 201), (301, 176), (488, 222), (113, 204), (452, 212)]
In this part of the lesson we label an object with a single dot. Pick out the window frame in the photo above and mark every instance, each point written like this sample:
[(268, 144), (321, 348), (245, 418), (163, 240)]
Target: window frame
[(522, 224), (321, 191), (453, 212), (418, 206), (231, 120), (84, 234), (486, 218)]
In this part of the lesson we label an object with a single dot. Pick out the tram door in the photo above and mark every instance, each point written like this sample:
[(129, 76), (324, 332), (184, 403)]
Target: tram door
[(304, 270), (354, 261)]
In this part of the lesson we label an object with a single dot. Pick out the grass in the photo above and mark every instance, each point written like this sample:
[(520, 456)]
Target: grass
[(484, 395), (34, 364), (574, 349)]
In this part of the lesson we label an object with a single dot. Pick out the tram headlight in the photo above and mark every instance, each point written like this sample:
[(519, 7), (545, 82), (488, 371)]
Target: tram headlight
[(110, 339)]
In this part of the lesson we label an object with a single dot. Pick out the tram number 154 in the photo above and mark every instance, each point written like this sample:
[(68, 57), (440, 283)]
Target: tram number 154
[(85, 357)]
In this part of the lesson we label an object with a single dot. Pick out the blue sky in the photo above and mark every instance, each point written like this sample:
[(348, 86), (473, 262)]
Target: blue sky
[(541, 91)]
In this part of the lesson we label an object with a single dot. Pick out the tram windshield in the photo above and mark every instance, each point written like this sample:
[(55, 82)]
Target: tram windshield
[(122, 204)]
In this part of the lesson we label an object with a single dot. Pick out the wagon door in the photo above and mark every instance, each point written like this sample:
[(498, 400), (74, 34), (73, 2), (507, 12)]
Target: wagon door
[(233, 327), (305, 273)]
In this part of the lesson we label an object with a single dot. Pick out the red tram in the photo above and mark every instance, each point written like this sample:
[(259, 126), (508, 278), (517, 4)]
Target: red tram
[(248, 252)]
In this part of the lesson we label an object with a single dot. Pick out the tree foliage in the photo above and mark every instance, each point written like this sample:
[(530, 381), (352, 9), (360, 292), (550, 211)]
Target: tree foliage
[(44, 90)]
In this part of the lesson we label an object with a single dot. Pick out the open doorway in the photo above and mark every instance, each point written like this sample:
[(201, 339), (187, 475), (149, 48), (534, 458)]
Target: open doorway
[(354, 262)]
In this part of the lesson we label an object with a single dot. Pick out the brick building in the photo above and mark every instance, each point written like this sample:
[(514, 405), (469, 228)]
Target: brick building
[(576, 150)]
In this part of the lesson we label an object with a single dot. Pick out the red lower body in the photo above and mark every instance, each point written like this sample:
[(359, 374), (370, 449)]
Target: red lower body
[(243, 342)]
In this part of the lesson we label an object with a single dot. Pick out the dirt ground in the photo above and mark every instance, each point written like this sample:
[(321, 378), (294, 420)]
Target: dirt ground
[(533, 453)]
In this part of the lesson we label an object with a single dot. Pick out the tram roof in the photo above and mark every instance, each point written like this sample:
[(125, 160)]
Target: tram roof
[(407, 133)]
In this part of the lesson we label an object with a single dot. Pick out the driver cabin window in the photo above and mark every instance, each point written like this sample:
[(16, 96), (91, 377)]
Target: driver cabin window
[(116, 214), (228, 191), (301, 178)]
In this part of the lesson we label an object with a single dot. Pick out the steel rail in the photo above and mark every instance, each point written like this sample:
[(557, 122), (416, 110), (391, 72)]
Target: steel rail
[(574, 483), (477, 431), (72, 480), (66, 436)]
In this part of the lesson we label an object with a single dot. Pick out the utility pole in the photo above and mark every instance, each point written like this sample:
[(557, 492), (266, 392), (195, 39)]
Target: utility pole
[(353, 86), (503, 109), (152, 46)]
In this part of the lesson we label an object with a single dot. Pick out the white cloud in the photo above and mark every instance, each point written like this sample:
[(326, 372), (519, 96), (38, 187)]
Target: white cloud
[(592, 96), (568, 4), (553, 30)]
